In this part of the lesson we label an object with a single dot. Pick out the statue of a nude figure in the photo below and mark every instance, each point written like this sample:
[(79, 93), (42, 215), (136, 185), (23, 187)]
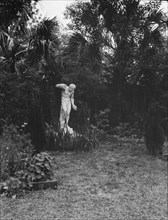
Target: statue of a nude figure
[(67, 101)]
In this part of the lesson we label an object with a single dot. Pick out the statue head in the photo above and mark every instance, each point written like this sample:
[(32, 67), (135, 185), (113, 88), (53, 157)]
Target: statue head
[(72, 86)]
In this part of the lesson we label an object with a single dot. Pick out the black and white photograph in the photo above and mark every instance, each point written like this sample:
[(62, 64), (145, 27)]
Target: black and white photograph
[(83, 109)]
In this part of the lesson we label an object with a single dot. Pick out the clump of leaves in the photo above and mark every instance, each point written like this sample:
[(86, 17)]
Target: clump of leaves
[(15, 146), (74, 142), (51, 137), (102, 120), (126, 129), (11, 187), (18, 167), (103, 123), (38, 168), (154, 133)]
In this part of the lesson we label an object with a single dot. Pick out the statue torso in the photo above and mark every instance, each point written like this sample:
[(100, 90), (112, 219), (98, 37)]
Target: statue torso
[(66, 93)]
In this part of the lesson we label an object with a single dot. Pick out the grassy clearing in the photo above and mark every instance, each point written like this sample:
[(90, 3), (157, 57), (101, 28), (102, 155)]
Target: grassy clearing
[(116, 181)]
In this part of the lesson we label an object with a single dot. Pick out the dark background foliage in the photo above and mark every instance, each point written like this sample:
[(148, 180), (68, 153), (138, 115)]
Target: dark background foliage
[(116, 54)]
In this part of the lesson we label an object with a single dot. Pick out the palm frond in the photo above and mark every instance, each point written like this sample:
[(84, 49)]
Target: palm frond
[(4, 39), (3, 35), (43, 37), (77, 44), (80, 50)]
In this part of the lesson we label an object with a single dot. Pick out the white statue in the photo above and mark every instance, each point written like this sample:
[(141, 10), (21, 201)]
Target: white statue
[(67, 101)]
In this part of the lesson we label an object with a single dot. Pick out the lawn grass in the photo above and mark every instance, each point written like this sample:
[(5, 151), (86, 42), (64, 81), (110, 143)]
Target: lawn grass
[(117, 181)]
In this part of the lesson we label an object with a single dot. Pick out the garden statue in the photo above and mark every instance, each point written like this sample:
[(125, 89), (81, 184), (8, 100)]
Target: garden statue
[(67, 101)]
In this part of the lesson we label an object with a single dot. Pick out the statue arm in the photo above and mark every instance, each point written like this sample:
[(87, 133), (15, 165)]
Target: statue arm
[(61, 86), (72, 102)]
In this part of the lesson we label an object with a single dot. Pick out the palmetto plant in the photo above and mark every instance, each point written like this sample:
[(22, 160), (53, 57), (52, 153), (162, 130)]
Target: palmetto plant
[(76, 48), (82, 52), (41, 41), (24, 46), (13, 30), (85, 43), (15, 14), (44, 39), (11, 52)]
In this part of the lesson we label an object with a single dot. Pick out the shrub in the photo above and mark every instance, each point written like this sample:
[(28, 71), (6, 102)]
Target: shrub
[(38, 168), (80, 119), (11, 187), (34, 169), (79, 142), (76, 141), (154, 133), (51, 138), (15, 146), (126, 129), (102, 120), (103, 123)]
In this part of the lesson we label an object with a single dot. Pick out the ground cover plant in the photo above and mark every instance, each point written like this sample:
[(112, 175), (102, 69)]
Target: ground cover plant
[(20, 165), (15, 147), (118, 180), (58, 140)]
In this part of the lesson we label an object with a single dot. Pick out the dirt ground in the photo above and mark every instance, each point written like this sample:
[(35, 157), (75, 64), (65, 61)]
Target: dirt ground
[(117, 181)]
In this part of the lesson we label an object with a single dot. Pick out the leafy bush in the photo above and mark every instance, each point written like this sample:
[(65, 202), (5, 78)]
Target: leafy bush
[(154, 132), (80, 119), (38, 168), (79, 142), (11, 187), (102, 120), (103, 123), (15, 146), (76, 141), (26, 170), (51, 137), (125, 129), (16, 95)]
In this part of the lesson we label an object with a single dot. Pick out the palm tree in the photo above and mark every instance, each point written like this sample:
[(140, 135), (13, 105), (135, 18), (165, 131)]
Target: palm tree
[(13, 32), (44, 54), (15, 14), (44, 40)]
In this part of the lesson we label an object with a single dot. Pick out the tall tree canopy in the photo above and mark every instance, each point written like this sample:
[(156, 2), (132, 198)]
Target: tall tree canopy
[(130, 38)]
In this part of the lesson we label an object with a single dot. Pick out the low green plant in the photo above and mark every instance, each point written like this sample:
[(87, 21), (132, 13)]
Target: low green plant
[(15, 146), (51, 137), (154, 132), (102, 120), (18, 165), (11, 187), (73, 142), (125, 129), (80, 142), (38, 168), (103, 123)]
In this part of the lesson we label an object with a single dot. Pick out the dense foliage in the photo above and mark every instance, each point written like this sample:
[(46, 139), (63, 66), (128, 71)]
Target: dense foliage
[(15, 147), (116, 54), (130, 36)]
